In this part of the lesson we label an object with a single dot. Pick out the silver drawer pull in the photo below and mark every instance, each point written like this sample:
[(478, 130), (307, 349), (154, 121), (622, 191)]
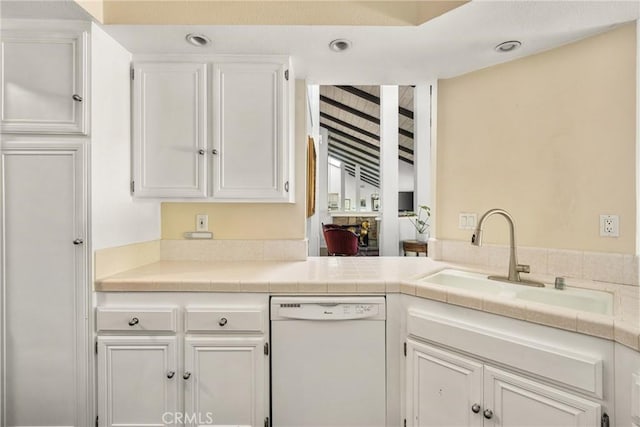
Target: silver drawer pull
[(475, 408), (186, 375), (134, 321), (223, 321), (171, 374), (488, 414), (201, 152)]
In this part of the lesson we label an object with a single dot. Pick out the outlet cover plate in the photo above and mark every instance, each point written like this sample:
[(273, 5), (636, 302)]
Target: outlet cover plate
[(609, 226)]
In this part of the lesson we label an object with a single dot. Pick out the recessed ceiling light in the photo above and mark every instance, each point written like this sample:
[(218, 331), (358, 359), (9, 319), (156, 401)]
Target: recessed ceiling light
[(198, 39), (340, 45), (508, 46)]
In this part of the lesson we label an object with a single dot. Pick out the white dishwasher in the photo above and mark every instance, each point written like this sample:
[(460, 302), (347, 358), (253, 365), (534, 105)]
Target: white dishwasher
[(328, 361)]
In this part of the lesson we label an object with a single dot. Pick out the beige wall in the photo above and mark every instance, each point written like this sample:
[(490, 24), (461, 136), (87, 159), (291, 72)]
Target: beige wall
[(550, 138), (273, 12), (250, 220)]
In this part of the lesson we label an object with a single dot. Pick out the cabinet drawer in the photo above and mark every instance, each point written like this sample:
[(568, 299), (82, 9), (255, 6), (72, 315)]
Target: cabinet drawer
[(148, 320), (212, 320)]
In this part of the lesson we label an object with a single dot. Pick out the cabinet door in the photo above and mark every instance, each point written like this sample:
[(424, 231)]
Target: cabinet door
[(518, 401), (43, 292), (169, 136), (137, 381), (44, 82), (226, 380), (442, 388), (250, 157)]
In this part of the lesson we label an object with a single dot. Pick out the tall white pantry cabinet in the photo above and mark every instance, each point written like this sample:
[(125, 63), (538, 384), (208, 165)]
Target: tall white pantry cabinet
[(45, 298)]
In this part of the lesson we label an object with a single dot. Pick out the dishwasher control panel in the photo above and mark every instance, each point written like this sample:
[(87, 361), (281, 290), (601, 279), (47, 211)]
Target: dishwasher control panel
[(327, 308)]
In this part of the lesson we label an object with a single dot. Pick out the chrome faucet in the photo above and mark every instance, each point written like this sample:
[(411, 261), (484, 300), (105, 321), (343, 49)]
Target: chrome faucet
[(514, 268)]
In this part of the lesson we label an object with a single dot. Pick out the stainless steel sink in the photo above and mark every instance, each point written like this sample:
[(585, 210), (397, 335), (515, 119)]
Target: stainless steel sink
[(574, 298)]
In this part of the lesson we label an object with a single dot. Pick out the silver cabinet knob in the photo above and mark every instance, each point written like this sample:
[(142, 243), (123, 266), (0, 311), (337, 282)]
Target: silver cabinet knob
[(171, 374), (214, 151), (134, 321), (475, 408), (76, 97), (488, 414), (201, 152), (223, 321), (186, 375), (78, 242)]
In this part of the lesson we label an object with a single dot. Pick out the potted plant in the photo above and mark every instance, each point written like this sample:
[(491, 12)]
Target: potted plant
[(421, 222)]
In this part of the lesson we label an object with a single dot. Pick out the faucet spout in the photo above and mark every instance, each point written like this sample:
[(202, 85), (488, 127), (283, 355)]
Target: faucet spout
[(514, 268)]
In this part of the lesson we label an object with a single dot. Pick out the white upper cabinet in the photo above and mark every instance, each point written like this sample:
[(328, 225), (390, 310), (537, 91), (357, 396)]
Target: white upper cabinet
[(44, 82), (169, 129), (244, 101), (250, 139)]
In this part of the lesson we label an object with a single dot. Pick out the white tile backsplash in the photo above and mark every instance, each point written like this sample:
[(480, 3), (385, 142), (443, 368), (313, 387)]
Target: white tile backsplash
[(594, 266), (630, 271), (233, 250), (604, 267), (565, 263), (536, 258)]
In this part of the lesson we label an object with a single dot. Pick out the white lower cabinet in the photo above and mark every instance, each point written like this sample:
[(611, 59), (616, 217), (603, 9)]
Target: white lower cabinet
[(448, 389), (519, 401), (225, 380), (137, 380), (155, 372), (442, 387)]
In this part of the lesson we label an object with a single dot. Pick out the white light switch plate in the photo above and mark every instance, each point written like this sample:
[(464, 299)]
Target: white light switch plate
[(467, 220), (202, 222)]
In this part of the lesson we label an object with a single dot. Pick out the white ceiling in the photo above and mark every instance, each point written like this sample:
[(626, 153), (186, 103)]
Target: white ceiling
[(455, 43), (460, 41)]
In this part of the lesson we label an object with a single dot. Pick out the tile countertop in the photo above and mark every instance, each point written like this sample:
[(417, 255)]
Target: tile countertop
[(379, 275)]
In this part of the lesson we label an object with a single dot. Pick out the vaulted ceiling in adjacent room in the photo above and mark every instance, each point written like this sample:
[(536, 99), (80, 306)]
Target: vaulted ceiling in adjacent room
[(351, 116)]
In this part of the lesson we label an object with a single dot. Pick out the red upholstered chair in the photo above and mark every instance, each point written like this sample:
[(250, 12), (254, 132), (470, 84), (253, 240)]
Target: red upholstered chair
[(340, 241)]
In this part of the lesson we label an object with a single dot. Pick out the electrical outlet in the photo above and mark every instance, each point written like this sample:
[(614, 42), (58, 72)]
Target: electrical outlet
[(609, 226), (467, 221), (202, 222)]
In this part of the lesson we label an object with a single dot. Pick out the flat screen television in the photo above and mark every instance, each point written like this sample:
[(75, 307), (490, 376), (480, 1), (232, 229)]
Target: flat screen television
[(405, 201)]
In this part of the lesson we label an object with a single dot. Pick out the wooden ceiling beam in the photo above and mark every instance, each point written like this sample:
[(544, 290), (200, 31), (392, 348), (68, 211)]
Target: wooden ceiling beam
[(349, 126), (373, 156), (370, 168), (360, 141), (360, 114), (373, 174), (371, 181), (372, 98)]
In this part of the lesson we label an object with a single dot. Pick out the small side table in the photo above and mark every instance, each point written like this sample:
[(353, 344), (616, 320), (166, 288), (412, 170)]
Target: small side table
[(414, 246)]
